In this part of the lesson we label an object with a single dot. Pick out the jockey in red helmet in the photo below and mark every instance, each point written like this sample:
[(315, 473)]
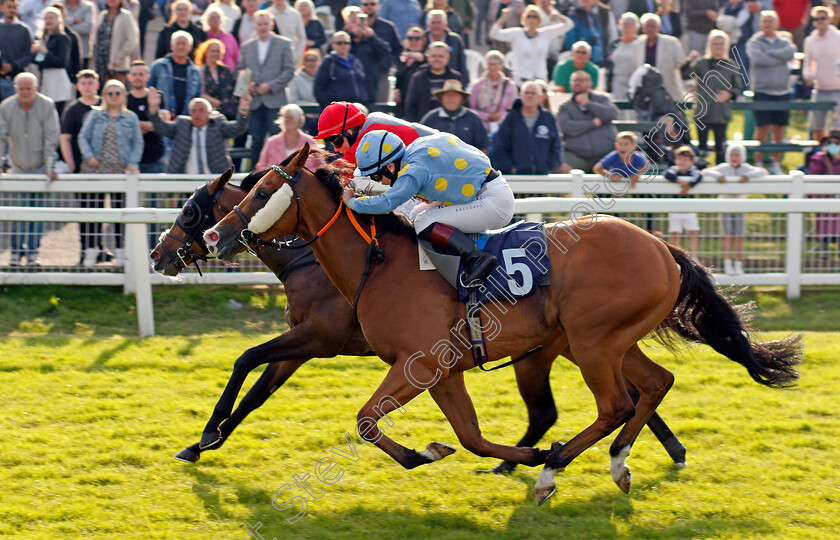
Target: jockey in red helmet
[(344, 125)]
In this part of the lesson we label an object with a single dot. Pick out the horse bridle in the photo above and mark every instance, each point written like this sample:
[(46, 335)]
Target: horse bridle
[(193, 226)]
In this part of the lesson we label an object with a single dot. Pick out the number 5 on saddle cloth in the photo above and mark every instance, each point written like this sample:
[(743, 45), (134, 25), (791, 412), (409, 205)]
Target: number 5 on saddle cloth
[(523, 265)]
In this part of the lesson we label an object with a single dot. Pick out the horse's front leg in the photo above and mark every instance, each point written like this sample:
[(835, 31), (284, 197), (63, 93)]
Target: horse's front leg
[(272, 378), (451, 396), (300, 343), (393, 393)]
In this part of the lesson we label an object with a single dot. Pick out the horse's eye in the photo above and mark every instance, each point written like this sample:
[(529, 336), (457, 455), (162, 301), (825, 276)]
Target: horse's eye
[(188, 211), (262, 194)]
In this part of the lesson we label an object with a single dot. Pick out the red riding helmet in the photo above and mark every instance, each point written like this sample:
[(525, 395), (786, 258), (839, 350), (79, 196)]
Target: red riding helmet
[(338, 117)]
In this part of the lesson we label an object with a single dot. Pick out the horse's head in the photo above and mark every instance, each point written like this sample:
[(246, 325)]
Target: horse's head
[(182, 244), (264, 213)]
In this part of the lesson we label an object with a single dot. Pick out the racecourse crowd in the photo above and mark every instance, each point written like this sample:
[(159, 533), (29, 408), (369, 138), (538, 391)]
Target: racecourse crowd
[(77, 96)]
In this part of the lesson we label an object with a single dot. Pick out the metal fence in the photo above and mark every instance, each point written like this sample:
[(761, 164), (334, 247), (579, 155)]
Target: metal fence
[(786, 242)]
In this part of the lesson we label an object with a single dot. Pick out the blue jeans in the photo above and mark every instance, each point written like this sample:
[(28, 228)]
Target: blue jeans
[(27, 233), (262, 122), (7, 88), (153, 167)]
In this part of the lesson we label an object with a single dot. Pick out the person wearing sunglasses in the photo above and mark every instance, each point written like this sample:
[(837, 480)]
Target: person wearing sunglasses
[(464, 193), (341, 75), (409, 61), (819, 69), (343, 125)]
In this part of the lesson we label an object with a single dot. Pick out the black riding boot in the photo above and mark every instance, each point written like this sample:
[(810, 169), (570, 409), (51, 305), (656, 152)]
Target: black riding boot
[(477, 263)]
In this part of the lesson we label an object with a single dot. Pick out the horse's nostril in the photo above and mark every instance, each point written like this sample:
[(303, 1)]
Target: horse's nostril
[(212, 236), (155, 256)]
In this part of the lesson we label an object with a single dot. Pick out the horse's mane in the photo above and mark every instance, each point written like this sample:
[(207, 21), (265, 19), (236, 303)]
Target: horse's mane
[(332, 173)]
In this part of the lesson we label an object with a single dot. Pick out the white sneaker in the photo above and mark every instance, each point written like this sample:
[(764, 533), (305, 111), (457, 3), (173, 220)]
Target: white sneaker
[(119, 257), (739, 268), (728, 268), (776, 168), (90, 257)]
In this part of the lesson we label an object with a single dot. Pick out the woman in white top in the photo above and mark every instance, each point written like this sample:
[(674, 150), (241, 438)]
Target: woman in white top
[(529, 43), (621, 57)]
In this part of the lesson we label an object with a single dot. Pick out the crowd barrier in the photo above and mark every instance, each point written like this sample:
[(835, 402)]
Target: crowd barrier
[(782, 248)]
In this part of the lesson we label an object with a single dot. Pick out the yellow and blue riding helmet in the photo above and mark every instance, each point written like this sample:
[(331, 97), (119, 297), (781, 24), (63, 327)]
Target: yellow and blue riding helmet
[(377, 149)]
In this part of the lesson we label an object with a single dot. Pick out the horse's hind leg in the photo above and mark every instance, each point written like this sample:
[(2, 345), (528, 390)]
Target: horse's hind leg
[(532, 378), (660, 429), (452, 398), (653, 382)]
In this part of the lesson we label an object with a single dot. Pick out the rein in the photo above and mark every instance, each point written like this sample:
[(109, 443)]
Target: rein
[(375, 253)]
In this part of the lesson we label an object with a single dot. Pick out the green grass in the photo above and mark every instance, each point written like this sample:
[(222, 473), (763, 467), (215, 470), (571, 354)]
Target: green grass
[(91, 420)]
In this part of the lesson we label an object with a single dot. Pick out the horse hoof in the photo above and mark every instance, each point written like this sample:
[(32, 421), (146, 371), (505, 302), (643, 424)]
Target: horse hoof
[(624, 480), (542, 494), (501, 468), (187, 456), (679, 465), (210, 440), (441, 449)]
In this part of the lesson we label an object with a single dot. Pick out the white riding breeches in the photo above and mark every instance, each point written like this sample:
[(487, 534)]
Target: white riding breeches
[(491, 209)]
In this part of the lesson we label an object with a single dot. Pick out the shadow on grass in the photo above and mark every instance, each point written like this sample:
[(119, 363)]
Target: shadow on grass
[(100, 362)]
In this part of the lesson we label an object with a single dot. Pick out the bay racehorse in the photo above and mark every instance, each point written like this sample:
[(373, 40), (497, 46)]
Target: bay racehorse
[(321, 325), (611, 287)]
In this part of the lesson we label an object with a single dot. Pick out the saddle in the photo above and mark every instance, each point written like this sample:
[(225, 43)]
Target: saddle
[(523, 265)]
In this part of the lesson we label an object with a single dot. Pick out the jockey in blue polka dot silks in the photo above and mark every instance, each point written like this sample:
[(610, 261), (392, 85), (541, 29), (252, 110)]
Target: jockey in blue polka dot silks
[(462, 193)]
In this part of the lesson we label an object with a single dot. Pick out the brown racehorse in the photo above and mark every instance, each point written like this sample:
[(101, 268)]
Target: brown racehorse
[(608, 290), (321, 325)]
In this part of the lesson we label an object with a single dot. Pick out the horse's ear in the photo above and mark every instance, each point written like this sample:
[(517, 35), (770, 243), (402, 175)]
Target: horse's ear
[(220, 181), (300, 159)]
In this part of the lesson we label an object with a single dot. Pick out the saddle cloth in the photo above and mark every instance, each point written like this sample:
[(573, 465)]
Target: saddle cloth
[(521, 253)]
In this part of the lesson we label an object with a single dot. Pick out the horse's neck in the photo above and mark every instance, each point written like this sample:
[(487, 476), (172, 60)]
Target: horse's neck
[(279, 259)]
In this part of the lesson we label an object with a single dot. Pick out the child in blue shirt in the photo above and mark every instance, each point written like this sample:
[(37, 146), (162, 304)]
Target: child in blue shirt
[(622, 162)]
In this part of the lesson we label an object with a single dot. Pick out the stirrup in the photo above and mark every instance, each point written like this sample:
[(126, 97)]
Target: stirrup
[(474, 284)]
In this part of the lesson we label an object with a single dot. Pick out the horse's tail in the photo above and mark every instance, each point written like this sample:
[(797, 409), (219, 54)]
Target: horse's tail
[(703, 315)]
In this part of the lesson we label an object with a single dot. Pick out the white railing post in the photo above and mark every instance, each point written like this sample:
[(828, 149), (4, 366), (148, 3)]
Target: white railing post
[(143, 282), (793, 255), (132, 200), (577, 184)]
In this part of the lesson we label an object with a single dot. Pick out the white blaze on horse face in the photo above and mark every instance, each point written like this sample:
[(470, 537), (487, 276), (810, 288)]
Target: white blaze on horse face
[(273, 210)]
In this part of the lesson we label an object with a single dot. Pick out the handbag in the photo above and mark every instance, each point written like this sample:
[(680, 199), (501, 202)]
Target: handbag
[(55, 84)]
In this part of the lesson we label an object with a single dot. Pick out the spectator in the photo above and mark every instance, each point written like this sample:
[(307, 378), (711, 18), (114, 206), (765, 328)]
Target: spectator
[(111, 143), (419, 97), (640, 7), (623, 163), (31, 12), (272, 63), (154, 149), (530, 43), (581, 53), (409, 61), (594, 23), (586, 123), (403, 13), (793, 17), (527, 141), (74, 64), (387, 32), (549, 14), (144, 13), (719, 84), (116, 41), (665, 53), (290, 24), (180, 21), (213, 22), (736, 20), (453, 21), (243, 28), (290, 139), (819, 69), (494, 11), (79, 18), (482, 25), (29, 131), (438, 31), (52, 56), (301, 89), (87, 83), (453, 117), (216, 78), (769, 53), (621, 57), (670, 18), (231, 13), (734, 225), (687, 175), (176, 75), (700, 18), (493, 94), (15, 46), (826, 161), (465, 10), (341, 76), (316, 35), (367, 47), (199, 139)]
